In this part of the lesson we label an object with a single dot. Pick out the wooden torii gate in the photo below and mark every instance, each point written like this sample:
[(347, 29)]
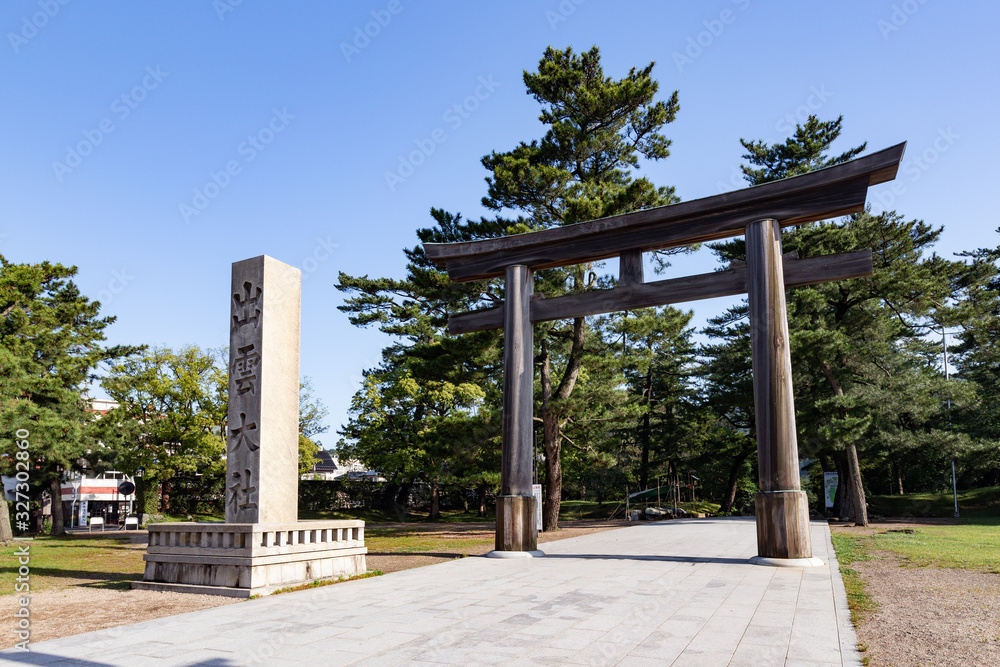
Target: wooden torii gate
[(758, 212)]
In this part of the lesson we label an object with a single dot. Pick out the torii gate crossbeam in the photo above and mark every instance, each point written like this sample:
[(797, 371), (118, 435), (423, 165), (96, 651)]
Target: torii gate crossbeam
[(758, 212)]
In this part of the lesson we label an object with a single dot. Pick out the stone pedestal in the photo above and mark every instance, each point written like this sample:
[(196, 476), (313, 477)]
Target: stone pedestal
[(240, 560), (261, 547)]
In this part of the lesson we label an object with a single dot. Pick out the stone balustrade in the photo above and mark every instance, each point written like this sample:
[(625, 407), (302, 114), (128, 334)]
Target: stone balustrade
[(255, 539), (251, 558)]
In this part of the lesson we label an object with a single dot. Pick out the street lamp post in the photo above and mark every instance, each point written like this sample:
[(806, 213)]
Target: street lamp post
[(947, 377)]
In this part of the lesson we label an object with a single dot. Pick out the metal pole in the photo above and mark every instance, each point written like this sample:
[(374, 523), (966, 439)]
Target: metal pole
[(954, 486), (673, 493)]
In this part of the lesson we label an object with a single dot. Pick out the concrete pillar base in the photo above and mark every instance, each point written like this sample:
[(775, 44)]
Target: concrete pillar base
[(515, 554), (787, 562)]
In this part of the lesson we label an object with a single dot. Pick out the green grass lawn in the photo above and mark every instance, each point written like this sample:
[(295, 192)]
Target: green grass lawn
[(402, 540), (56, 562), (971, 545), (851, 550), (381, 516), (177, 518), (972, 503)]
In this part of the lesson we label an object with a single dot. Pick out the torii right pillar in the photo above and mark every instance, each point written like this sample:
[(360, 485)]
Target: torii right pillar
[(782, 506)]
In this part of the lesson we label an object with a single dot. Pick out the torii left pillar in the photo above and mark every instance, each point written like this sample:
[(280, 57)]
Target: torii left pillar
[(517, 530)]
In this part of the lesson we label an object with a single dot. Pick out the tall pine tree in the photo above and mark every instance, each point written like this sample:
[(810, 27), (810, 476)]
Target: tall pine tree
[(584, 167), (51, 337)]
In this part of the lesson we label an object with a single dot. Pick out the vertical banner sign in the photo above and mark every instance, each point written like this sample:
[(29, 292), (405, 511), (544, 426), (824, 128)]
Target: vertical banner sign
[(830, 482), (536, 491)]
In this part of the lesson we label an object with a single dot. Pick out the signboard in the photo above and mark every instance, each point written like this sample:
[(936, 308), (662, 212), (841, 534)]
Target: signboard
[(536, 491), (830, 482)]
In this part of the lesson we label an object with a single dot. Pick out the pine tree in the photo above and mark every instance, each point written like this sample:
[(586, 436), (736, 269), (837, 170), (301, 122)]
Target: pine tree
[(51, 339), (430, 411), (598, 130), (656, 355), (170, 422), (844, 333), (728, 395)]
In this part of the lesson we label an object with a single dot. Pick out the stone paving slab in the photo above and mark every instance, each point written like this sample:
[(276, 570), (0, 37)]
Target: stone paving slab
[(675, 592)]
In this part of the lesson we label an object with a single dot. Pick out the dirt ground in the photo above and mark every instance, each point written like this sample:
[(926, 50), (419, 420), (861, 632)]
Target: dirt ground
[(927, 616), (82, 606)]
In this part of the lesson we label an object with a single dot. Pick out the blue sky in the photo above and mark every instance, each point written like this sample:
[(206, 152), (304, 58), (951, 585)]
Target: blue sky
[(153, 144)]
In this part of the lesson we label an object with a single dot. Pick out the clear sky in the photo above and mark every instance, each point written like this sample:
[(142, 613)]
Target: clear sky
[(152, 144)]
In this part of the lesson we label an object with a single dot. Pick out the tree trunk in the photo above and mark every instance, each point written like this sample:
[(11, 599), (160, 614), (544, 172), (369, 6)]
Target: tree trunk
[(644, 466), (6, 533), (481, 498), (140, 497), (899, 478), (389, 493), (856, 488), (435, 501), (165, 496), (553, 472), (58, 526), (734, 480), (551, 401), (644, 469), (402, 500), (840, 507)]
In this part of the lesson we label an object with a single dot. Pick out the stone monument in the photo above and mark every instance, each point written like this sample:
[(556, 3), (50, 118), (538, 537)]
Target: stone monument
[(261, 546)]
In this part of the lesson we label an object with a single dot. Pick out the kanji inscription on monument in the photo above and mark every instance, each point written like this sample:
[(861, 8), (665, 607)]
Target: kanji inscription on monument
[(262, 546), (262, 439)]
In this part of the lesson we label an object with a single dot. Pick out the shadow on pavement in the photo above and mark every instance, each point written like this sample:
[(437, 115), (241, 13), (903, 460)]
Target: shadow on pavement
[(672, 559)]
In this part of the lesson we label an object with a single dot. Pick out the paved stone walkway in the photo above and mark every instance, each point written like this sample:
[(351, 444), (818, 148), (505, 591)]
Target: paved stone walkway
[(676, 592)]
